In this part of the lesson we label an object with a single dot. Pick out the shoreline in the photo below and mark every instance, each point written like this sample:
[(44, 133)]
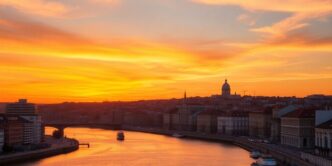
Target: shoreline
[(282, 155), (67, 145)]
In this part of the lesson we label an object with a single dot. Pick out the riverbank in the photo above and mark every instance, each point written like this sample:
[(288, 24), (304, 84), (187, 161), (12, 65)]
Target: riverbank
[(58, 146), (286, 156)]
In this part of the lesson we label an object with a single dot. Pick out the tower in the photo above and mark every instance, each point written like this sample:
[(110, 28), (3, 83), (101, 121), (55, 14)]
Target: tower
[(184, 101), (226, 89)]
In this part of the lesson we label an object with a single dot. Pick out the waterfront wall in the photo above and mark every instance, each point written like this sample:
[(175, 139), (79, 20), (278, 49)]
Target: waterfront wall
[(282, 155), (316, 160), (73, 145)]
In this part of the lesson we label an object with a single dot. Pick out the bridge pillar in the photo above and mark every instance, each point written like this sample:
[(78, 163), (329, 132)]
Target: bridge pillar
[(61, 131)]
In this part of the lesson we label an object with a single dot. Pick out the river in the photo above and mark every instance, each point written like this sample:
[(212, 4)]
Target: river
[(143, 149)]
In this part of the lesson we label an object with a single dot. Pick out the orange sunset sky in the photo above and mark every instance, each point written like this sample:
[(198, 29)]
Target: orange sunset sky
[(96, 50)]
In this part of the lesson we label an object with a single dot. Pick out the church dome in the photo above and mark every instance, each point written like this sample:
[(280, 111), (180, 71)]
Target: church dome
[(226, 89), (226, 86)]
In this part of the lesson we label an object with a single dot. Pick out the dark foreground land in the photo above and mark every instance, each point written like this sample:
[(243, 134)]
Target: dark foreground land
[(58, 146)]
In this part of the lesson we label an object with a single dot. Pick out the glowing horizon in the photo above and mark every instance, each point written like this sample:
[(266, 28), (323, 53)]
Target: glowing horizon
[(111, 50)]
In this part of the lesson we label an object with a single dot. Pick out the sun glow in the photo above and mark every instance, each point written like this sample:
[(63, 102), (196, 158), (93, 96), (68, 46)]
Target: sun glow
[(73, 54)]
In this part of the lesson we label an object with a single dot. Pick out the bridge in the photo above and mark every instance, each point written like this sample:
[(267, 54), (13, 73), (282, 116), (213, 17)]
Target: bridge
[(62, 126)]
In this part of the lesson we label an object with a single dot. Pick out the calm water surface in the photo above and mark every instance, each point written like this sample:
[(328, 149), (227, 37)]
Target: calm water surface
[(142, 149)]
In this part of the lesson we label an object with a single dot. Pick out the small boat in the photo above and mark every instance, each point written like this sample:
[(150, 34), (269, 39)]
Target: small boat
[(120, 136), (267, 161), (177, 135), (255, 154)]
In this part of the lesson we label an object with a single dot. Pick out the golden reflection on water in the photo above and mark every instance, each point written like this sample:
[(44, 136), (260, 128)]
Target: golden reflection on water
[(142, 149)]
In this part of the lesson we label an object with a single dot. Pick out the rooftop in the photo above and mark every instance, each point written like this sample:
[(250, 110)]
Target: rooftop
[(210, 111), (263, 110), (325, 125), (235, 114), (302, 113)]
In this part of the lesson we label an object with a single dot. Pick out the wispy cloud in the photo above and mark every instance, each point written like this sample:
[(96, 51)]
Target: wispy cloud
[(301, 13), (109, 2), (296, 6), (292, 23), (246, 19), (37, 7)]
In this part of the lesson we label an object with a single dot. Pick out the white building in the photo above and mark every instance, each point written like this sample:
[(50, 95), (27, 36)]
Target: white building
[(233, 123), (32, 130), (298, 128), (323, 139), (323, 133), (27, 132)]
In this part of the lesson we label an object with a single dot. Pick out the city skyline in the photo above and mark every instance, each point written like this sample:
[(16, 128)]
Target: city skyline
[(110, 50)]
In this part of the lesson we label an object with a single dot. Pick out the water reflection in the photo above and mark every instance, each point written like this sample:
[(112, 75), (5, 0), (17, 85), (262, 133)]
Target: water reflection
[(142, 149)]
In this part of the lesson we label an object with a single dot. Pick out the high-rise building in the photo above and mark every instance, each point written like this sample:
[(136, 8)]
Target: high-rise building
[(32, 121), (32, 129), (13, 130), (22, 107), (27, 132)]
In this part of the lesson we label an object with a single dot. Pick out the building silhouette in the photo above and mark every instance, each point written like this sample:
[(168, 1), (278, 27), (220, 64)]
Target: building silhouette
[(226, 89), (29, 119)]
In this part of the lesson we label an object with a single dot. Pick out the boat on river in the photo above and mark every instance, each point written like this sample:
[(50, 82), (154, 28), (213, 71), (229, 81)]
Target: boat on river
[(255, 154), (266, 160), (120, 136), (177, 135)]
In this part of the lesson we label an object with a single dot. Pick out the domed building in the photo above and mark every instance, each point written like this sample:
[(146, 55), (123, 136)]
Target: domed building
[(226, 89)]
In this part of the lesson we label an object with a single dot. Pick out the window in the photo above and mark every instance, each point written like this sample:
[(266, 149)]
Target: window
[(304, 142)]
